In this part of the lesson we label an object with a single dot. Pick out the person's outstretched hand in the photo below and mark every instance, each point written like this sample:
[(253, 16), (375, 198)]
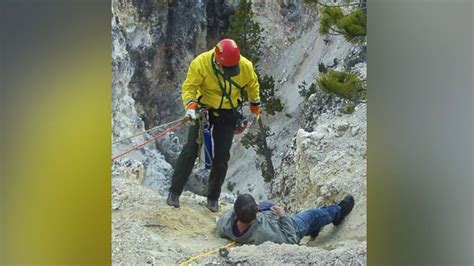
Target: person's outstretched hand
[(278, 210)]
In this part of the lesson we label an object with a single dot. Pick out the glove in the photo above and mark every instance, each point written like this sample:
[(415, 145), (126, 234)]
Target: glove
[(191, 110), (255, 109)]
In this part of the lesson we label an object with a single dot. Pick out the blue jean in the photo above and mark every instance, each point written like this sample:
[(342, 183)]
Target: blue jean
[(311, 221)]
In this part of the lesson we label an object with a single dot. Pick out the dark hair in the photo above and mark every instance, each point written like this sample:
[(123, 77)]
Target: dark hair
[(245, 208)]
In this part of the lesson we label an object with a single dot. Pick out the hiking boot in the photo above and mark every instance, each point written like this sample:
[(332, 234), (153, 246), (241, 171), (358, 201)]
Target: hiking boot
[(346, 207), (313, 235), (173, 200), (212, 205)]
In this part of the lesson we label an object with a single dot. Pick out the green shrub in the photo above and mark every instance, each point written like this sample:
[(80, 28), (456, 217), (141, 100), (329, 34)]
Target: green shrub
[(256, 141), (249, 140), (267, 177), (270, 102), (306, 92), (322, 68), (348, 108), (230, 186), (343, 84), (352, 26)]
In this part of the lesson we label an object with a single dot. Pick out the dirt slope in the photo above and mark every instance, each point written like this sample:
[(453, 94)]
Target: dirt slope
[(147, 231)]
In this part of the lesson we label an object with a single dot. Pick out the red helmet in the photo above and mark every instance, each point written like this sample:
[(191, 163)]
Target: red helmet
[(227, 53)]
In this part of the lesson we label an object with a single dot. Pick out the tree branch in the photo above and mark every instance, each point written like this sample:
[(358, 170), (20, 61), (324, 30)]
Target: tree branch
[(336, 31), (345, 5)]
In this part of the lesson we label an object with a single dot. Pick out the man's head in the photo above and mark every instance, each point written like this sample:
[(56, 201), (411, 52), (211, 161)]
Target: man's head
[(227, 55), (245, 208)]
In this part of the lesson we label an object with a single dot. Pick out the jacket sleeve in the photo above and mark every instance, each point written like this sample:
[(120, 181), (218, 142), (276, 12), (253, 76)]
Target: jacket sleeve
[(288, 229), (253, 87), (221, 224), (220, 230), (192, 83)]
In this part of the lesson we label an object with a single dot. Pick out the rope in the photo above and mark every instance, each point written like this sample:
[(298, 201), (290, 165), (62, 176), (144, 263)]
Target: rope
[(149, 130), (206, 253), (200, 137), (178, 124)]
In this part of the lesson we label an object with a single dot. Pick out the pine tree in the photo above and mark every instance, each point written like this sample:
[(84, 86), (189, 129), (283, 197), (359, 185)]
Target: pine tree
[(271, 103), (342, 84), (245, 32), (258, 142), (353, 26), (248, 36)]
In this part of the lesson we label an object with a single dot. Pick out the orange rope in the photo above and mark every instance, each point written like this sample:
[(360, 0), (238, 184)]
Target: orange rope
[(152, 139)]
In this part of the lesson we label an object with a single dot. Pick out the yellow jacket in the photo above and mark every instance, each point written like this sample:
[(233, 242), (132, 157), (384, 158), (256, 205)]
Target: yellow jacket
[(201, 83)]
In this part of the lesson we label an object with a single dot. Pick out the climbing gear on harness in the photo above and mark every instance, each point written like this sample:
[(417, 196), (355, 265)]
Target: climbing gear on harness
[(208, 156), (205, 138), (240, 123), (239, 128), (228, 56)]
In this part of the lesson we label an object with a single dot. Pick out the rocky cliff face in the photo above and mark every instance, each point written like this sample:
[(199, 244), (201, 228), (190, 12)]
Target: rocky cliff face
[(147, 165), (330, 140), (319, 148), (328, 156)]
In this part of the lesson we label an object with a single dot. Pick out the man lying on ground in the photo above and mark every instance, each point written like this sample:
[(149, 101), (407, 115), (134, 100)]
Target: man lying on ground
[(250, 223)]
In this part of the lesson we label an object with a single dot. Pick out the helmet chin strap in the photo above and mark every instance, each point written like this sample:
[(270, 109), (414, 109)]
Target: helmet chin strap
[(221, 68)]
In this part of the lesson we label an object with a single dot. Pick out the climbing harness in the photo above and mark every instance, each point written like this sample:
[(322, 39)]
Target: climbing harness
[(241, 121), (177, 124), (205, 254)]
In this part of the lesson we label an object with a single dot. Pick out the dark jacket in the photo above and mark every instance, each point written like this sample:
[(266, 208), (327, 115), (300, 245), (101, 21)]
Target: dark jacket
[(267, 227)]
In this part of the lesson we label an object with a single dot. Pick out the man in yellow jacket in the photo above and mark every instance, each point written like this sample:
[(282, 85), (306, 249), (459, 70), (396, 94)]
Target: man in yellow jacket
[(215, 79)]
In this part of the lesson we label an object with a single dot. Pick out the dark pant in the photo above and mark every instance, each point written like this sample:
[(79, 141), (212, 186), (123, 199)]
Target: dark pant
[(311, 221), (223, 124)]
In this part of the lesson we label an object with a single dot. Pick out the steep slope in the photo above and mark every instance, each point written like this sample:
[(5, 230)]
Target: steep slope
[(147, 231), (147, 165)]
